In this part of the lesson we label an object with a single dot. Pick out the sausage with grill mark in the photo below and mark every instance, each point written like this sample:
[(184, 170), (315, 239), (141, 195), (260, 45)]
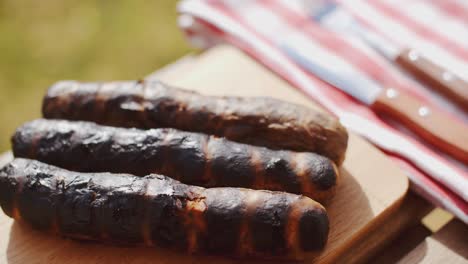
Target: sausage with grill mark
[(157, 210), (192, 158), (259, 121)]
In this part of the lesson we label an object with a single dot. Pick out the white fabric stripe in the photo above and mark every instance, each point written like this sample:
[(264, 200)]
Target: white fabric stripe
[(405, 37), (463, 3), (427, 15), (299, 6), (236, 4), (332, 68), (380, 136), (270, 26), (202, 37)]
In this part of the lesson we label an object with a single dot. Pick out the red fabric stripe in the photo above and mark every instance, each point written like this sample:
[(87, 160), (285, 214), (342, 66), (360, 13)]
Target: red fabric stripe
[(212, 28), (451, 8), (329, 40), (420, 29), (368, 24)]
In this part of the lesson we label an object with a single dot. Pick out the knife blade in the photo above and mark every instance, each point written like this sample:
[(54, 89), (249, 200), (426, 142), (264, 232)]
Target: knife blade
[(411, 60), (435, 127)]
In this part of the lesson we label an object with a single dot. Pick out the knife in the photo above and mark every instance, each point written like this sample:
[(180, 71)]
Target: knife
[(411, 60), (433, 126)]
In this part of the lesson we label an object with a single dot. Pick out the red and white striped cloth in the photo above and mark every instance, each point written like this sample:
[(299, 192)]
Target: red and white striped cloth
[(437, 28)]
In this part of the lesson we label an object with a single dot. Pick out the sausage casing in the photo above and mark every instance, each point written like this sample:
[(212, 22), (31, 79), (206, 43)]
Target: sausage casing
[(191, 158), (157, 210), (151, 104)]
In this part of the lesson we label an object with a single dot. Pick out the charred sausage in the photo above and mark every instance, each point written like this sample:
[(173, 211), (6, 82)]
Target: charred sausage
[(157, 210), (191, 158), (151, 104)]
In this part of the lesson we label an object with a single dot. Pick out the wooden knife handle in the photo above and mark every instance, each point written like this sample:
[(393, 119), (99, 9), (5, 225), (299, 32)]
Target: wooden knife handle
[(435, 127), (440, 79)]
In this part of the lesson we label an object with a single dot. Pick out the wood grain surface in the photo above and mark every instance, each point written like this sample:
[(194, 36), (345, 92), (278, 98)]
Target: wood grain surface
[(448, 245), (406, 241), (366, 213)]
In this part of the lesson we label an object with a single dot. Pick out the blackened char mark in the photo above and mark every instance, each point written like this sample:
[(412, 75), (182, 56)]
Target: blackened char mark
[(166, 202), (280, 170), (226, 207), (268, 225), (231, 164), (185, 157), (38, 200)]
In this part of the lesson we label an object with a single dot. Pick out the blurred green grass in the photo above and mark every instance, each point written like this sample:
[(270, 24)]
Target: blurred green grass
[(49, 40)]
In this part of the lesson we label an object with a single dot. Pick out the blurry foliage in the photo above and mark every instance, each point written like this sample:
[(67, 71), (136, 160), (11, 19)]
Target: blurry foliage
[(49, 40)]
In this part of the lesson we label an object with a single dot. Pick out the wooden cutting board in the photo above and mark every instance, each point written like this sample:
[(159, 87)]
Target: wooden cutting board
[(367, 211)]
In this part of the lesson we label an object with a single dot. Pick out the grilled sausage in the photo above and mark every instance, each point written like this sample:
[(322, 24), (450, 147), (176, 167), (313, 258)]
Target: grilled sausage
[(151, 104), (191, 158), (157, 210)]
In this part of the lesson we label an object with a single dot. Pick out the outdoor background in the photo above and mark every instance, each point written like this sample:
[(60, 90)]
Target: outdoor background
[(49, 40)]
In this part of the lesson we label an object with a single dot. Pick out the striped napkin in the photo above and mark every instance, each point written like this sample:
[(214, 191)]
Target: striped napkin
[(279, 32)]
